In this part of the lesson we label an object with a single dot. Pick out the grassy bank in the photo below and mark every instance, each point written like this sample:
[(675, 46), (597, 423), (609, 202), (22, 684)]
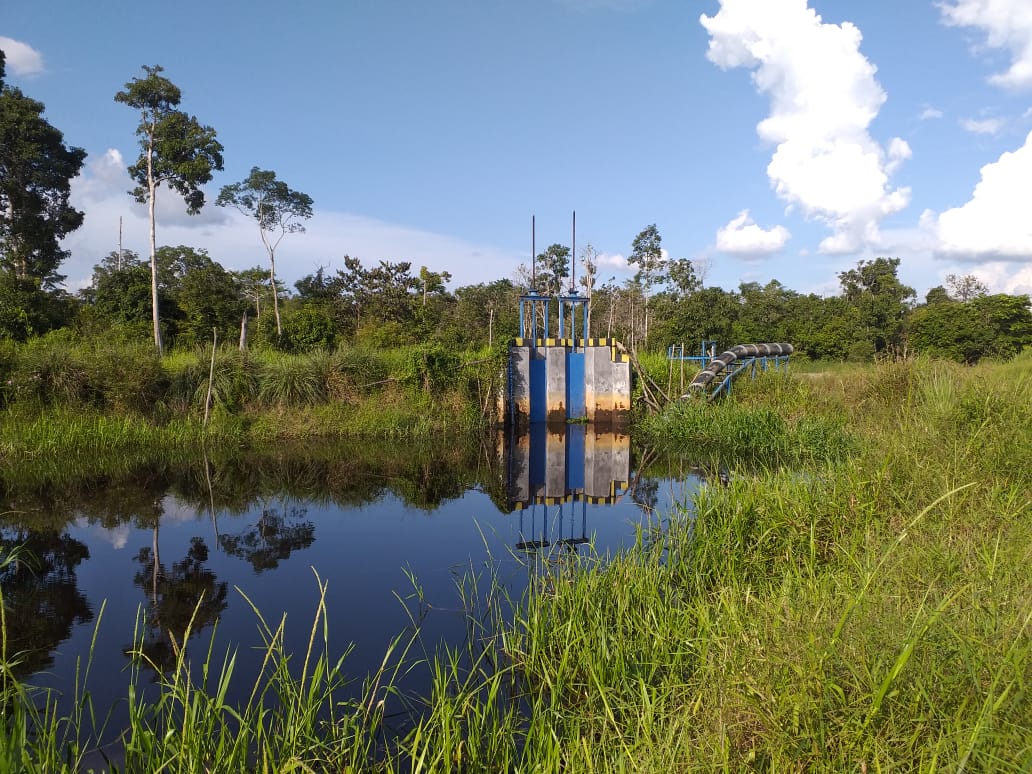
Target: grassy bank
[(857, 599), (63, 401), (865, 611)]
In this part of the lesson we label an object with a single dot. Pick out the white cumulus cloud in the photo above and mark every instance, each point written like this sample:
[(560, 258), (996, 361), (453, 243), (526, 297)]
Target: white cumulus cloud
[(22, 59), (930, 113), (995, 223), (743, 237), (823, 97), (1007, 24), (1001, 277)]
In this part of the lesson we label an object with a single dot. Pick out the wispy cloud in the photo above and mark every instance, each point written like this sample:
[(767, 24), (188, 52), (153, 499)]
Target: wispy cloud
[(982, 126), (930, 113), (21, 58)]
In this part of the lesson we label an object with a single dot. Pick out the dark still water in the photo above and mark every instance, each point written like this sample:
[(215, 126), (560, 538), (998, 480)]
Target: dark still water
[(154, 542)]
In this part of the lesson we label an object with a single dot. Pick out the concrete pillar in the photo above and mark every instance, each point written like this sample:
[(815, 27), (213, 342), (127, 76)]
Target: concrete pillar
[(600, 385), (589, 383), (555, 383), (621, 380), (519, 375)]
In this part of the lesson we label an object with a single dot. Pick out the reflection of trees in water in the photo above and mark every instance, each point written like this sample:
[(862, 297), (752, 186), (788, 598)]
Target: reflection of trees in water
[(40, 595), (422, 475), (109, 500), (645, 492), (186, 591), (272, 539)]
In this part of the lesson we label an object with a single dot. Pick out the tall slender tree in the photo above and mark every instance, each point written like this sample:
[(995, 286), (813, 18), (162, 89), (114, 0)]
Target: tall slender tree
[(175, 149), (278, 211), (647, 255)]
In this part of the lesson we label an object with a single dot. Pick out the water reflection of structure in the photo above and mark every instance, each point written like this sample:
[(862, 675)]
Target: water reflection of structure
[(568, 467)]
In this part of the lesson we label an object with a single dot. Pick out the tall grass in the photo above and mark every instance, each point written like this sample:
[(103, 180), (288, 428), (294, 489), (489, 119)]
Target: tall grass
[(65, 399), (872, 611), (297, 715)]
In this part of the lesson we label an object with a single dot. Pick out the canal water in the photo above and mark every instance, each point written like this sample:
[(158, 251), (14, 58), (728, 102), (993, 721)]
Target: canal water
[(390, 530)]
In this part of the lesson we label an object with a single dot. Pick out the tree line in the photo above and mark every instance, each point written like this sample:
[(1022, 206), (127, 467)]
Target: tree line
[(181, 296)]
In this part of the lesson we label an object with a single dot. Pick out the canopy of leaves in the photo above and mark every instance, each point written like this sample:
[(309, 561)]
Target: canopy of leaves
[(36, 170), (553, 267), (271, 202), (175, 148)]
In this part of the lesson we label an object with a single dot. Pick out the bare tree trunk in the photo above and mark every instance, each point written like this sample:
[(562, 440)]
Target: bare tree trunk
[(152, 189), (645, 338), (272, 279), (243, 332), (275, 294), (211, 375)]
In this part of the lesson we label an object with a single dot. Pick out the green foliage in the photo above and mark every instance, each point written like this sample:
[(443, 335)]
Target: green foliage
[(874, 290), (431, 367), (50, 371), (8, 358), (175, 148), (647, 256), (27, 310), (967, 331), (755, 436), (309, 328), (553, 267), (105, 375), (192, 727), (36, 170), (276, 208), (120, 290), (125, 378), (207, 298), (866, 610), (234, 380), (356, 371)]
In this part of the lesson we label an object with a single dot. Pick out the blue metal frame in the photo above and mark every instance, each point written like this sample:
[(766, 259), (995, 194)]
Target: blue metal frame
[(766, 362)]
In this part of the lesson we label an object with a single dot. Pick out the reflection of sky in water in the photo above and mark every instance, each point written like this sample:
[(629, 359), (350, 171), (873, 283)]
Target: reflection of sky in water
[(116, 536), (366, 553)]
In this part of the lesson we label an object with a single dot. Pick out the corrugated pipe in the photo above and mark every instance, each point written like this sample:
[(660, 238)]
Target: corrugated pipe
[(722, 361)]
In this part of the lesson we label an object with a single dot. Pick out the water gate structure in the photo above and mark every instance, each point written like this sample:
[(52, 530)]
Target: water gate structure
[(557, 374), (554, 472)]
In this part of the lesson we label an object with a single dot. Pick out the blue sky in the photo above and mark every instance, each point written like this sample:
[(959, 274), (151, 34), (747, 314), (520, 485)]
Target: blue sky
[(767, 139)]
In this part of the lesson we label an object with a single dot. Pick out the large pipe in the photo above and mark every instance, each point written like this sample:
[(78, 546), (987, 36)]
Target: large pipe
[(725, 359)]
